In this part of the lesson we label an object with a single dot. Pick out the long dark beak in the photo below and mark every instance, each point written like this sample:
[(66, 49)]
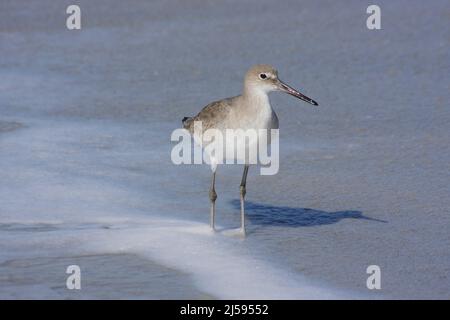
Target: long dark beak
[(288, 89)]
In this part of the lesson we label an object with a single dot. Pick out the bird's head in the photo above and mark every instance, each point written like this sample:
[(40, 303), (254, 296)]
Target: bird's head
[(263, 77)]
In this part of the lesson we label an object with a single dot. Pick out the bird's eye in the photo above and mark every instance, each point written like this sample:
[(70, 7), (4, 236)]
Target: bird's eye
[(263, 76)]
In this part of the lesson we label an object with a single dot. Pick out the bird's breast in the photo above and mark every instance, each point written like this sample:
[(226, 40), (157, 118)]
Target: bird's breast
[(259, 116)]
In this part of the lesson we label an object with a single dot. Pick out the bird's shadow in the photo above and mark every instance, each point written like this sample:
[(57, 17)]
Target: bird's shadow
[(264, 214)]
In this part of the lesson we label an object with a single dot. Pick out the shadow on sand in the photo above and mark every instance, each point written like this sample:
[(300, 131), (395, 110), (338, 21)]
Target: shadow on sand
[(263, 214)]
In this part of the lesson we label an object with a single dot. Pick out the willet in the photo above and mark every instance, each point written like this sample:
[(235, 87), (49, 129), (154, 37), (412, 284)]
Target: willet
[(250, 110)]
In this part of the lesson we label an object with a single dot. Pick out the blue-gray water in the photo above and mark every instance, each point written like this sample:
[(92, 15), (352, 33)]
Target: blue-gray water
[(85, 123)]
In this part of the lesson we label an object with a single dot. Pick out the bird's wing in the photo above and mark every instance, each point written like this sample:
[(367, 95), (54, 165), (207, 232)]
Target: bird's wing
[(213, 115)]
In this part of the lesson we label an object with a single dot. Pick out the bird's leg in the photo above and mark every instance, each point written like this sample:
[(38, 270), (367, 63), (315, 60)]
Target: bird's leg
[(242, 193), (213, 197)]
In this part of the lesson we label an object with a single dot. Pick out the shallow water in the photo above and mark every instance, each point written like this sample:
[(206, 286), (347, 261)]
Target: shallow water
[(137, 278), (86, 176)]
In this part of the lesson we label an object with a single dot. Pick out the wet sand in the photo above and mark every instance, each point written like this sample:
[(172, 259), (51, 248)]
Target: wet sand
[(85, 128), (101, 278)]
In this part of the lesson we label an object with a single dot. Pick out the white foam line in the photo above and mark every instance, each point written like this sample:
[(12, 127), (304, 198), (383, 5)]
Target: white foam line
[(216, 263)]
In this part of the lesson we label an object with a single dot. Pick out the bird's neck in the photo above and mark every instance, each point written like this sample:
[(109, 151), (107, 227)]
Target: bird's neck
[(255, 98)]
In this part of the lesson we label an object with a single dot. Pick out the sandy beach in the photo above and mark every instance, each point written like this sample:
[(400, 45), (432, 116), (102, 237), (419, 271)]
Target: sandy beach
[(86, 176)]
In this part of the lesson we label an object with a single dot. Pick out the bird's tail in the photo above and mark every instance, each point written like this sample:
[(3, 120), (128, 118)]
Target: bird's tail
[(186, 122)]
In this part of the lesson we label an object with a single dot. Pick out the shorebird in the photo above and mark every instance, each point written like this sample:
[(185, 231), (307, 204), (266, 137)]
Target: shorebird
[(250, 110)]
